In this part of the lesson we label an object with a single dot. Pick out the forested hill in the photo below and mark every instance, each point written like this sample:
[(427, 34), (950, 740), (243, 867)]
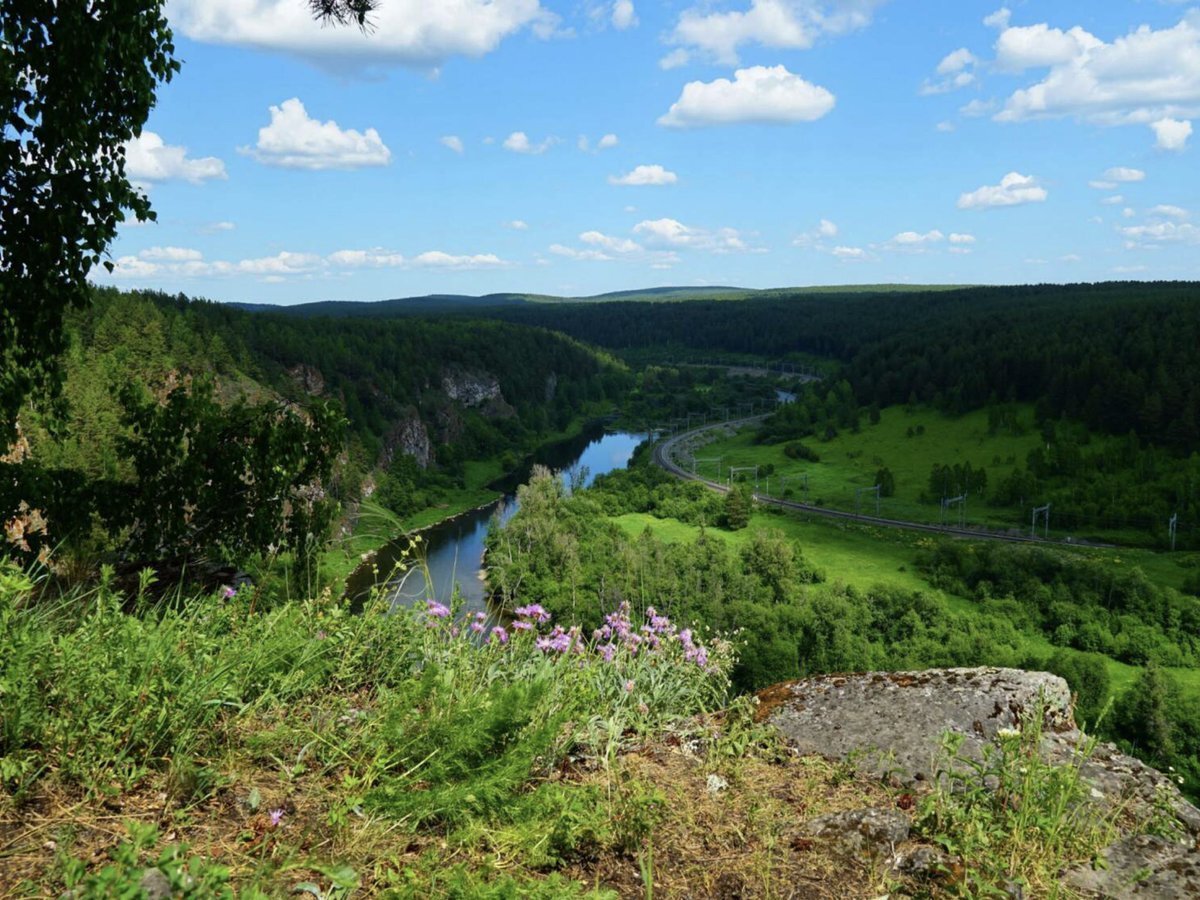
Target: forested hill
[(169, 403), (1119, 356)]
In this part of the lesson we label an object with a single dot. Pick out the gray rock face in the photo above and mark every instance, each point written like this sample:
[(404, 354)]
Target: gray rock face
[(892, 723), (471, 389), (1144, 866), (409, 436), (308, 378)]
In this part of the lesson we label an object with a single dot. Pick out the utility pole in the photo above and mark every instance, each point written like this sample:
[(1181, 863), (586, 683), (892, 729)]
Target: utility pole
[(708, 459), (1043, 511), (858, 492), (1172, 528), (961, 502), (734, 470)]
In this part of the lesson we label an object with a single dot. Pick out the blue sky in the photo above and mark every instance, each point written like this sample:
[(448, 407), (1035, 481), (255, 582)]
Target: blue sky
[(576, 147)]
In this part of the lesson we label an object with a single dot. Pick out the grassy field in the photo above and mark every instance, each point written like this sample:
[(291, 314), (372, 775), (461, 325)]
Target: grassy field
[(850, 461), (861, 556)]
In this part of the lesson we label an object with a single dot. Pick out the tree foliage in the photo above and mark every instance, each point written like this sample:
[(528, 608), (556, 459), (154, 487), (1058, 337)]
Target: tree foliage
[(77, 81)]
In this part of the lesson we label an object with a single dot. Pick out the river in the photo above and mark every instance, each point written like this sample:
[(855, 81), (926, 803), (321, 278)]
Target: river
[(453, 550)]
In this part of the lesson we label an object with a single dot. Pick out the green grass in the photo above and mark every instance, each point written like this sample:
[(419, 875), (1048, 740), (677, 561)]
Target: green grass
[(850, 461)]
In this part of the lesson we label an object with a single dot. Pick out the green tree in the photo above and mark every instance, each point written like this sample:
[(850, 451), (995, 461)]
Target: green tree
[(77, 81), (886, 481), (737, 508)]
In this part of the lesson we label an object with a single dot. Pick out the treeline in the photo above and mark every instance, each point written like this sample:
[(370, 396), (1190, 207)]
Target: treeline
[(1118, 356)]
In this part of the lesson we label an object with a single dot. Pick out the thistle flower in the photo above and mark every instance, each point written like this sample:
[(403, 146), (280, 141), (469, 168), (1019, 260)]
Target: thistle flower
[(499, 635), (437, 610), (276, 817)]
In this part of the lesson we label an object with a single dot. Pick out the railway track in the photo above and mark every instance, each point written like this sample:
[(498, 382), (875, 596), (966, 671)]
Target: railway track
[(664, 457)]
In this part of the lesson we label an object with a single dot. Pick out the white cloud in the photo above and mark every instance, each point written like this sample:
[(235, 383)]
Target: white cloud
[(170, 254), (1160, 232), (581, 255), (977, 108), (781, 24), (452, 142), (998, 19), (1013, 190), (607, 142), (609, 243), (1040, 46), (517, 225), (673, 60), (1144, 77), (1172, 212), (824, 229), (1071, 258), (1122, 174), (148, 158), (954, 73), (1171, 134), (1114, 200), (518, 142), (956, 238), (372, 259), (850, 254), (294, 140), (914, 241), (623, 15), (438, 260), (1102, 185), (945, 127), (756, 94), (179, 262), (404, 32), (645, 175), (673, 233), (216, 227), (1128, 213)]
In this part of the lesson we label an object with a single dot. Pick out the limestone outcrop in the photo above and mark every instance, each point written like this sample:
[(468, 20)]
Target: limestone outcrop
[(891, 725)]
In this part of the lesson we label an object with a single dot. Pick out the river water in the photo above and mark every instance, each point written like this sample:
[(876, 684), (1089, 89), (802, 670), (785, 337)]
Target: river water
[(453, 550)]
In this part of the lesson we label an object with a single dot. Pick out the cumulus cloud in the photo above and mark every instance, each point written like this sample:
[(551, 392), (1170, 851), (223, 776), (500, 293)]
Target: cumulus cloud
[(607, 142), (961, 239), (645, 175), (216, 227), (998, 19), (757, 94), (1114, 200), (673, 60), (1123, 174), (781, 24), (580, 255), (609, 243), (915, 239), (404, 32), (1160, 232), (517, 225), (1102, 185), (181, 262), (295, 140), (436, 259), (955, 71), (1171, 134), (1014, 189), (624, 15), (1144, 77), (452, 142), (673, 233), (1173, 212), (518, 142), (850, 254), (815, 237), (149, 159)]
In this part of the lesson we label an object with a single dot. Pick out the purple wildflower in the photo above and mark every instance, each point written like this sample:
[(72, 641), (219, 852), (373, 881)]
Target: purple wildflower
[(437, 610), (276, 817), (522, 626), (607, 651), (533, 611), (477, 627), (629, 686), (229, 592), (499, 634)]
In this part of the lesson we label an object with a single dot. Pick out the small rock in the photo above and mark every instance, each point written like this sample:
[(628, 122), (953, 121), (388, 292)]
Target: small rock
[(155, 885), (875, 832), (50, 845), (716, 784)]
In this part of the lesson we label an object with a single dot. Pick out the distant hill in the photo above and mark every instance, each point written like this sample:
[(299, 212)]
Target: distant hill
[(441, 303)]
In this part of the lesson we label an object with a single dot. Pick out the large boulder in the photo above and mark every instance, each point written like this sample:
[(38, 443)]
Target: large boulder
[(892, 725)]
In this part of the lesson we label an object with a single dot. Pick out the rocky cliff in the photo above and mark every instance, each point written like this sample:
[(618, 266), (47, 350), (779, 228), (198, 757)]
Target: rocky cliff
[(892, 726)]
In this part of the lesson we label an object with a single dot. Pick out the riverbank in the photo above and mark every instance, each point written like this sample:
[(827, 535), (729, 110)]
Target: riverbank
[(486, 482)]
